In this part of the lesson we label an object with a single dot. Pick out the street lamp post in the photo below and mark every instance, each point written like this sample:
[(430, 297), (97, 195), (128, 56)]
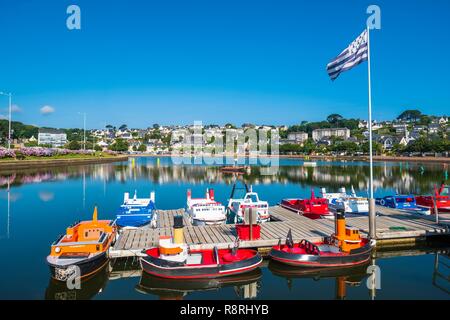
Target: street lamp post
[(9, 95), (84, 129)]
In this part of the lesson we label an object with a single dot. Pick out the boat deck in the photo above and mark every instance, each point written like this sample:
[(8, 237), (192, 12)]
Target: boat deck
[(391, 225)]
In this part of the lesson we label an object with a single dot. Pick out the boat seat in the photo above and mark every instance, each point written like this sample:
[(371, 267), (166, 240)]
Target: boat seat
[(195, 258), (328, 248)]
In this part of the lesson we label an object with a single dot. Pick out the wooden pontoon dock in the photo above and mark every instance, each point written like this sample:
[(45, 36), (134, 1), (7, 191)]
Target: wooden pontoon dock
[(393, 227)]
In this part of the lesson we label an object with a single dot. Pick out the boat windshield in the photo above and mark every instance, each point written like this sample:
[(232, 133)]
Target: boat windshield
[(445, 191), (252, 197)]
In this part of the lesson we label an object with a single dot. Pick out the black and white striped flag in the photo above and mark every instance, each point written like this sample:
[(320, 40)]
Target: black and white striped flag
[(355, 53)]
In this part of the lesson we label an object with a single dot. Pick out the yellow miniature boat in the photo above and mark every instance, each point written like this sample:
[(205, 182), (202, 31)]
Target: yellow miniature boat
[(83, 250)]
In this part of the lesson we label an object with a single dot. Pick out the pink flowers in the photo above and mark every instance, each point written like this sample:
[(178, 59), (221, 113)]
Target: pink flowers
[(40, 152), (5, 153)]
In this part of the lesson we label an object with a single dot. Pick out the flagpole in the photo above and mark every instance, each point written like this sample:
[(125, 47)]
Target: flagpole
[(372, 213)]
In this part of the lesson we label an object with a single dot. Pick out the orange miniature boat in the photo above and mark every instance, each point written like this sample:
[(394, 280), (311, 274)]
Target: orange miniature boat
[(82, 251)]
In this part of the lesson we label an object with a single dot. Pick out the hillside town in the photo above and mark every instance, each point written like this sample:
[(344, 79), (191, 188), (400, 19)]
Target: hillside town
[(411, 133)]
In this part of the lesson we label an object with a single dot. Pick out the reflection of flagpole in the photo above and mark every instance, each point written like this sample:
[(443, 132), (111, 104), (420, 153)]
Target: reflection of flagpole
[(372, 226), (9, 205), (84, 189)]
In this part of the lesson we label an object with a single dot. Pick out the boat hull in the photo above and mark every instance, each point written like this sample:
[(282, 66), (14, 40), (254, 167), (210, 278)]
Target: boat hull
[(355, 257), (314, 214), (174, 270), (133, 220), (88, 267), (443, 205)]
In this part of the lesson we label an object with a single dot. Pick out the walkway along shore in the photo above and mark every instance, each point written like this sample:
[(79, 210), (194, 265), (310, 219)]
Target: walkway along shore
[(27, 164)]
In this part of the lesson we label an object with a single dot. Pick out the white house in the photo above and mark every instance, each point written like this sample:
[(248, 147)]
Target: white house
[(298, 137), (55, 138), (319, 134)]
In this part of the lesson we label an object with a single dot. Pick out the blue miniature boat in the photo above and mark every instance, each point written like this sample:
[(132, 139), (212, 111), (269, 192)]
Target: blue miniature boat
[(136, 212), (406, 203)]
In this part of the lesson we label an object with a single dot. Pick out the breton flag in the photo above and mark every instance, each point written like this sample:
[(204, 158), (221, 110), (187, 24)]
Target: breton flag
[(355, 53)]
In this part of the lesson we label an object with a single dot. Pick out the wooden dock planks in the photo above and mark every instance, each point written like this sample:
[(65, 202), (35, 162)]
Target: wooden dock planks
[(391, 224)]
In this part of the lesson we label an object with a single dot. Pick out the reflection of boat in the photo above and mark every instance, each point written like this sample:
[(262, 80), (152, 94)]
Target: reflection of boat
[(236, 169), (89, 288), (177, 289), (136, 212), (345, 248), (82, 251), (351, 203), (314, 208), (173, 259), (236, 207), (352, 276), (205, 210), (442, 199), (405, 203)]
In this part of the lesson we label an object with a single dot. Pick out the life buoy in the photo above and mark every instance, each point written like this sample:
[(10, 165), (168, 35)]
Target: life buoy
[(382, 202)]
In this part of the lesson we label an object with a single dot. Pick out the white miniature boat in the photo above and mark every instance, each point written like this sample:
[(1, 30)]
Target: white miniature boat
[(350, 203), (236, 207), (205, 211)]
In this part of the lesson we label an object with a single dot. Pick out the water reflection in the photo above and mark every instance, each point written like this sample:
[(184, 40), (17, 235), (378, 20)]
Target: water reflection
[(344, 277), (245, 285), (89, 288), (403, 178), (441, 274)]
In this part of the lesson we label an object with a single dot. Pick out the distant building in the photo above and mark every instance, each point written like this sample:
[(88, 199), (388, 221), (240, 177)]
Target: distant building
[(319, 134), (298, 137), (53, 137), (433, 128)]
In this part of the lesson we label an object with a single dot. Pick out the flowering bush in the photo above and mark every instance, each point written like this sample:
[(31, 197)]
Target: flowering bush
[(5, 153), (40, 152)]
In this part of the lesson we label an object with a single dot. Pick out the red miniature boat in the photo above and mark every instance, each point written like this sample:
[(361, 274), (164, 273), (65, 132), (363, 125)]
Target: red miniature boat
[(313, 208), (174, 260), (442, 199), (345, 248)]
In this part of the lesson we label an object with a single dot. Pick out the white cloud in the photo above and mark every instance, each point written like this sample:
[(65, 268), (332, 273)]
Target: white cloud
[(15, 108), (46, 110)]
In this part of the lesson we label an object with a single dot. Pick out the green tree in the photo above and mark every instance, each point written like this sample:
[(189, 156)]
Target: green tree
[(334, 119), (73, 145), (410, 115), (119, 145), (142, 148)]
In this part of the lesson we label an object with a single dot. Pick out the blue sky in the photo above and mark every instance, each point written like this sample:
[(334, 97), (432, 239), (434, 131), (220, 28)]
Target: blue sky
[(173, 62)]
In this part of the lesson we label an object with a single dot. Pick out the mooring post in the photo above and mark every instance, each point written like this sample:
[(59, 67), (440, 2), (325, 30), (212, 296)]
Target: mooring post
[(250, 213), (435, 208), (372, 217)]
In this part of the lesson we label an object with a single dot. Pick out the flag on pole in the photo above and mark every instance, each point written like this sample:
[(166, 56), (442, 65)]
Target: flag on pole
[(353, 55)]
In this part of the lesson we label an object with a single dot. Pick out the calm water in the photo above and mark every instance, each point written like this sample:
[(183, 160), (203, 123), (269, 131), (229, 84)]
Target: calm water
[(43, 202)]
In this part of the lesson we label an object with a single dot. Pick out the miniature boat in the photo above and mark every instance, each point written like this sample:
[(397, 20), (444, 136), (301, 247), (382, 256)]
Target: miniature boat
[(345, 248), (236, 207), (174, 260), (136, 212), (406, 203), (82, 251), (349, 203), (205, 210), (441, 196), (313, 208)]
